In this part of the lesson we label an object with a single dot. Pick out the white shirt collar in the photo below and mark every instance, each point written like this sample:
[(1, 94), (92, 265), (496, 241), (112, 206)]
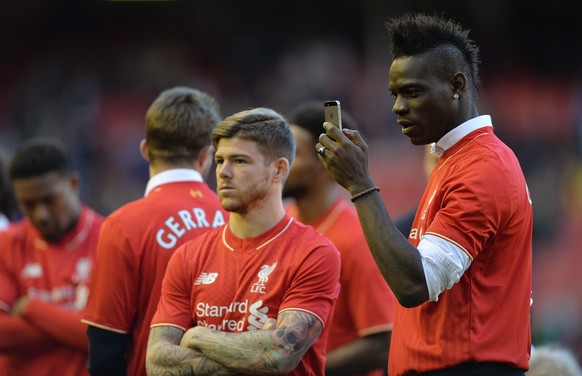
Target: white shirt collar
[(459, 132), (172, 176)]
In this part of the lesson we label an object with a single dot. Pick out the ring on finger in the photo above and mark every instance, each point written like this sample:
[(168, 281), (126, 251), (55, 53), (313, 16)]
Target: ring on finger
[(321, 150)]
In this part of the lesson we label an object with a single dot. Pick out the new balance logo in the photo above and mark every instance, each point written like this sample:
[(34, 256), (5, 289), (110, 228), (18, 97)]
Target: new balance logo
[(32, 270), (206, 278)]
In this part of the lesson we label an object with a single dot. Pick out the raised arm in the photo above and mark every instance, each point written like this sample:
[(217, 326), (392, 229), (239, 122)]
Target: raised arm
[(346, 159), (165, 356), (262, 352)]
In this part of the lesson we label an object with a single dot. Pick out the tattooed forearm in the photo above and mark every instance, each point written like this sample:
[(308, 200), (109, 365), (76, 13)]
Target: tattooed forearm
[(166, 357), (260, 351), (296, 331)]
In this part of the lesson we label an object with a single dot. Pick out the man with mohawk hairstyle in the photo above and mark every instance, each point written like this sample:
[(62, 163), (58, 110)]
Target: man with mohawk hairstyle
[(464, 277)]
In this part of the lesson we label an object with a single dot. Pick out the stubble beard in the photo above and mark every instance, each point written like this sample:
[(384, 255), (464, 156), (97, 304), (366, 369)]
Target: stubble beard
[(249, 200)]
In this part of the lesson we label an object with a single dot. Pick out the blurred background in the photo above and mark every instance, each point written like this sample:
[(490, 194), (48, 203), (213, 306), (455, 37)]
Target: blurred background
[(86, 72)]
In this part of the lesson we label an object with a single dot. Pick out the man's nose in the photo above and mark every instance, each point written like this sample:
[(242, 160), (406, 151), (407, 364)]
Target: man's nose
[(41, 214), (224, 170), (400, 106)]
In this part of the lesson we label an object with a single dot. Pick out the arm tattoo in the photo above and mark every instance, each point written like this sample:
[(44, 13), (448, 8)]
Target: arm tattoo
[(166, 357), (262, 351), (295, 331)]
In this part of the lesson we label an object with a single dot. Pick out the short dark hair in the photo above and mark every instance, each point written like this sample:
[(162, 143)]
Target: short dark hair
[(179, 124), (310, 116), (40, 156), (264, 126), (448, 43)]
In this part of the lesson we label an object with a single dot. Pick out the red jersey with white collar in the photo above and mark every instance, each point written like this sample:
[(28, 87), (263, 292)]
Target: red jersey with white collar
[(49, 339), (135, 246), (231, 284), (476, 198), (365, 304)]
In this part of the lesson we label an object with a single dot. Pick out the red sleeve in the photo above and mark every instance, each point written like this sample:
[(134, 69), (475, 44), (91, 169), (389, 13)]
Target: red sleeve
[(8, 286), (365, 290), (17, 335), (114, 281), (474, 208), (174, 308), (63, 325), (316, 284)]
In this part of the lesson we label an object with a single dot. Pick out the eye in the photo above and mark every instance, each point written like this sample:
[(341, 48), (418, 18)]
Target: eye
[(239, 161), (412, 93), (218, 161)]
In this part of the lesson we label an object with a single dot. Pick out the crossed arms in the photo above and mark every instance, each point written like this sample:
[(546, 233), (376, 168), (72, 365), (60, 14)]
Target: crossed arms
[(33, 324), (276, 349)]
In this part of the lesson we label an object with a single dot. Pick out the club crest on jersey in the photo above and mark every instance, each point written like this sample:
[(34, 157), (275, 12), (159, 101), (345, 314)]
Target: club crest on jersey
[(82, 270), (263, 275)]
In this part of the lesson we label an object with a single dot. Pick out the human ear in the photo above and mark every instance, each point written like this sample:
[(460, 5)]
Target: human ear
[(281, 169), (458, 83), (143, 148), (205, 159), (75, 181)]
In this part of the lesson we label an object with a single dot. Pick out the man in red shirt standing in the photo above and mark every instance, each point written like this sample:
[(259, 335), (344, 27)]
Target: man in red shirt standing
[(359, 337), (45, 265), (464, 278), (258, 292), (138, 239)]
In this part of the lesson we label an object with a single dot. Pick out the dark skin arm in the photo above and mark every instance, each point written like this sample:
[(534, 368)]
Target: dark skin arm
[(346, 159), (360, 356), (107, 352)]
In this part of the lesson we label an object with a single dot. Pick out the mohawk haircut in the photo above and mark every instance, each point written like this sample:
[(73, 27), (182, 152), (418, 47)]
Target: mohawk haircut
[(448, 43)]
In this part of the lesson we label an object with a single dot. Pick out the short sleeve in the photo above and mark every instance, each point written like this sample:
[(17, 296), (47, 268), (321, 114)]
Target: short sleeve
[(365, 290), (8, 285), (475, 205), (315, 286), (174, 308), (114, 281)]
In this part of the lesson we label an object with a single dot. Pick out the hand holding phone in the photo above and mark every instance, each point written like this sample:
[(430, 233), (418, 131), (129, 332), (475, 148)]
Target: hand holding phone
[(333, 113)]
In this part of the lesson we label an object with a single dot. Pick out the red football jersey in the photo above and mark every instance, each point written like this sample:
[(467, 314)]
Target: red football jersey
[(134, 248), (476, 198), (49, 339), (223, 282), (365, 304)]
